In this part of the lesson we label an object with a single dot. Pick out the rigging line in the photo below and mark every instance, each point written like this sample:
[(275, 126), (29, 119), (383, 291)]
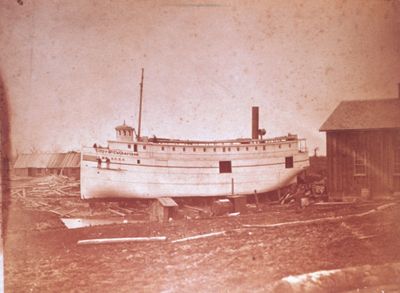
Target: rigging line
[(32, 40), (226, 89)]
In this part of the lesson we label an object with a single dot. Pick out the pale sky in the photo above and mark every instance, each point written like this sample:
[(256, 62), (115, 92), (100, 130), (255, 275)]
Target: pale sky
[(72, 68)]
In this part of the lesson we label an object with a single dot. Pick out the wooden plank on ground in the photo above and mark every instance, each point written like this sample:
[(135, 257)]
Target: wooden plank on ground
[(200, 236), (116, 212), (120, 240), (320, 220)]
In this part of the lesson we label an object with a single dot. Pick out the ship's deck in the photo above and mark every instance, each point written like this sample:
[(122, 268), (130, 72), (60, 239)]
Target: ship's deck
[(238, 141)]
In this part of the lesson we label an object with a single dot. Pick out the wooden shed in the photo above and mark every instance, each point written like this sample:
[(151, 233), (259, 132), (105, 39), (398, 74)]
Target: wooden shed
[(162, 209), (67, 164), (363, 148)]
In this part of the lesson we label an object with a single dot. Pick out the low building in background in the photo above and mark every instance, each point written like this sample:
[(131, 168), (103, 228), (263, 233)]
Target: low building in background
[(67, 164)]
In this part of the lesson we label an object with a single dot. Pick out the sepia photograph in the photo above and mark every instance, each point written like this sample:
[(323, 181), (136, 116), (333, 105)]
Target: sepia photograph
[(200, 145)]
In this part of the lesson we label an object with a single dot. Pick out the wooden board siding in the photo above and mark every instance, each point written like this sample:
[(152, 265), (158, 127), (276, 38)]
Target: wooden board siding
[(21, 172), (379, 146)]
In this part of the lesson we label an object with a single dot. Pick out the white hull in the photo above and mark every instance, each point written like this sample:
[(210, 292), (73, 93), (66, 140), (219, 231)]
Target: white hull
[(188, 171)]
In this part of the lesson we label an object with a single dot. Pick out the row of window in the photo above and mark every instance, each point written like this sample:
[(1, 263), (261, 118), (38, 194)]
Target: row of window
[(224, 166), (224, 149), (112, 158), (125, 132), (108, 161)]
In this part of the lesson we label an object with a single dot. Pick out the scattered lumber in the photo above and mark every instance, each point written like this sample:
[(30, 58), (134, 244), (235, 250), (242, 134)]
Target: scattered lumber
[(213, 234), (116, 212), (56, 212), (42, 203), (333, 203), (70, 212), (286, 198), (120, 240), (125, 210), (320, 220), (367, 237), (234, 214), (17, 193)]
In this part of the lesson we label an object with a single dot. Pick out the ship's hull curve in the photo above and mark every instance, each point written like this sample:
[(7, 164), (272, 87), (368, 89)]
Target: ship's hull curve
[(196, 175)]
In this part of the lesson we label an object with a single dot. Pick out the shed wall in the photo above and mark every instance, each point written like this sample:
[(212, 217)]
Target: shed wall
[(379, 146)]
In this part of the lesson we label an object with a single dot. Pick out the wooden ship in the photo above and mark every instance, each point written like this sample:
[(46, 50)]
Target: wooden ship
[(135, 166)]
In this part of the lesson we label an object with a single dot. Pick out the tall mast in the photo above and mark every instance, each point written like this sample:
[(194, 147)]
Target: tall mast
[(140, 105)]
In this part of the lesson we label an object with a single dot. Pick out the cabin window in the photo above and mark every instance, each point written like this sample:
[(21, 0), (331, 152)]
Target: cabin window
[(238, 148), (360, 163), (247, 148), (144, 147), (135, 148), (229, 149), (214, 149), (108, 163), (162, 148), (173, 148), (204, 149), (138, 161), (280, 146), (184, 149), (255, 148), (225, 167), (194, 149), (263, 147), (288, 162), (223, 149), (129, 146), (99, 163), (124, 132)]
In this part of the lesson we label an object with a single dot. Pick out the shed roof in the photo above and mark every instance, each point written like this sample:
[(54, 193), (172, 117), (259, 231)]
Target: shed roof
[(33, 161), (167, 202), (71, 160), (51, 160), (364, 114), (55, 160)]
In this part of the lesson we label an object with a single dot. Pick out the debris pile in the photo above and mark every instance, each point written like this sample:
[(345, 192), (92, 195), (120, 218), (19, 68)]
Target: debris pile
[(48, 193), (313, 191), (60, 195), (47, 186), (221, 207)]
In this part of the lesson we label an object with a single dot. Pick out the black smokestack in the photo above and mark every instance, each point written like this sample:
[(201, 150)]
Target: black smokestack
[(254, 123)]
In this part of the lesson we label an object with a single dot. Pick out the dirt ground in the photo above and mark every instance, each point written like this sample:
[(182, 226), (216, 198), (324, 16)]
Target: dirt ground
[(41, 255)]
